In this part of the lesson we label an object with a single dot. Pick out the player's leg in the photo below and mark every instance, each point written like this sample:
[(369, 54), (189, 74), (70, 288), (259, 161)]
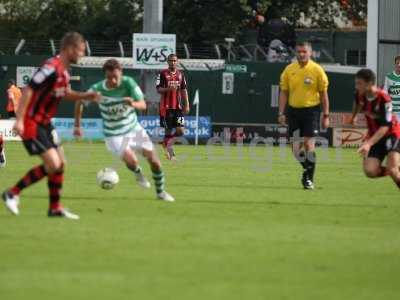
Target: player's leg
[(2, 153), (392, 168), (295, 136), (310, 128), (373, 168), (49, 166), (144, 143), (158, 175), (168, 143), (34, 146), (372, 165), (132, 163), (167, 123), (310, 161), (54, 162)]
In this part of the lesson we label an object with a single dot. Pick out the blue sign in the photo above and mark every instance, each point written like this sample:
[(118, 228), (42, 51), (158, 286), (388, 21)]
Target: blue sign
[(93, 128)]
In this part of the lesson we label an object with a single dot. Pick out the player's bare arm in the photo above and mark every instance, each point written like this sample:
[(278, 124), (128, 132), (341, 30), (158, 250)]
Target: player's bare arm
[(379, 134), (163, 90), (20, 114), (283, 99), (139, 105), (78, 116), (325, 109), (185, 98), (356, 110), (72, 95)]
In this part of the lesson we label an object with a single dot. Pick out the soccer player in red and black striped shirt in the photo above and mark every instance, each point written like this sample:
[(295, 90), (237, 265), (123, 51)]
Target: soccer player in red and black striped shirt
[(383, 140), (38, 105), (171, 84)]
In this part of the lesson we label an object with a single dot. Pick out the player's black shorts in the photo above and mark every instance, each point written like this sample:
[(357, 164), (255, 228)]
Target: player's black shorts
[(174, 118), (304, 122), (381, 149), (46, 138)]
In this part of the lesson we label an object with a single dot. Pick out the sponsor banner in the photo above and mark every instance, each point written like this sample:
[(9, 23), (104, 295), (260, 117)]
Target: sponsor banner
[(150, 51), (6, 131), (24, 75), (340, 120), (349, 137), (242, 133), (93, 128), (152, 126)]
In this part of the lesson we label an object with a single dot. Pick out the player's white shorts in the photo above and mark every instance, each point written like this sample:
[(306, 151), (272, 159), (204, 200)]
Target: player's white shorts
[(136, 140)]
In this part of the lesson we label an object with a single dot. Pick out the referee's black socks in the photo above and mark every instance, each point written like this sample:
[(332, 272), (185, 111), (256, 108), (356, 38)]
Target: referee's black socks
[(310, 162), (301, 158)]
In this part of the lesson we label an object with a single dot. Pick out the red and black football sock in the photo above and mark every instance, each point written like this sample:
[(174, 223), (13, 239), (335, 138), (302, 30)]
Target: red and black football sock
[(33, 176), (1, 143), (55, 183)]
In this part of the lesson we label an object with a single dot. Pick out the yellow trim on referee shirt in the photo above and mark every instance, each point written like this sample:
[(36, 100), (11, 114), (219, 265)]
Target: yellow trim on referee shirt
[(304, 84)]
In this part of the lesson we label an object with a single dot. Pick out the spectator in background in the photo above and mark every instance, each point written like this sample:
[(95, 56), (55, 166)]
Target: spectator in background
[(13, 97), (276, 34)]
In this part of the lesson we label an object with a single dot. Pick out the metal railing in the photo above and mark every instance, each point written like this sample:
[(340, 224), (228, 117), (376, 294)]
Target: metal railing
[(244, 52)]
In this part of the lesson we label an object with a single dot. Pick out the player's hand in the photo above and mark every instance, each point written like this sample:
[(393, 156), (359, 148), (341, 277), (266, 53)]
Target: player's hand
[(128, 101), (325, 122), (93, 96), (18, 127), (78, 132), (186, 109), (364, 149), (282, 120), (353, 121)]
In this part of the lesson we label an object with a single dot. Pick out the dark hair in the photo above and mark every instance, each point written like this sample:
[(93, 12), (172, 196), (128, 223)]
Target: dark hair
[(71, 39), (396, 59), (367, 75), (172, 55), (111, 65), (303, 44), (11, 81)]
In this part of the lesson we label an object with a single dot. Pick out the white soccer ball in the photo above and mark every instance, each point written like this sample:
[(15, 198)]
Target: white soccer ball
[(107, 178)]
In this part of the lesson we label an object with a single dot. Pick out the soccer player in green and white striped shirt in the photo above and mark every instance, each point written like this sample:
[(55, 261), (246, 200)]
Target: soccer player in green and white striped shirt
[(392, 86), (121, 98)]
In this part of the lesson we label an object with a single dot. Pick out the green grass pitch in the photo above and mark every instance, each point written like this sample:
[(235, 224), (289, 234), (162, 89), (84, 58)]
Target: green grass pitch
[(241, 228)]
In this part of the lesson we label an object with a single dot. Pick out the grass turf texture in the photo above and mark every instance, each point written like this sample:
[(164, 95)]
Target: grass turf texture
[(234, 233)]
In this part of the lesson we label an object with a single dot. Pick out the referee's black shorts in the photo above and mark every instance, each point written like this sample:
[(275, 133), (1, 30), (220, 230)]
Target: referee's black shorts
[(304, 122)]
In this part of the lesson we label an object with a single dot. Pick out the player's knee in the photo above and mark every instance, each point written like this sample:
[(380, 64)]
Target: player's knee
[(129, 157), (54, 166), (371, 172)]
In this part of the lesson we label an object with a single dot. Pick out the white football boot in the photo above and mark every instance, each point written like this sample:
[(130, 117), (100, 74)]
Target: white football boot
[(11, 202), (164, 196)]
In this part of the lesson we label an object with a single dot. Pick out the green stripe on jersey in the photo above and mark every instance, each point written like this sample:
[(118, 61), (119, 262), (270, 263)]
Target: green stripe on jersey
[(118, 117)]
